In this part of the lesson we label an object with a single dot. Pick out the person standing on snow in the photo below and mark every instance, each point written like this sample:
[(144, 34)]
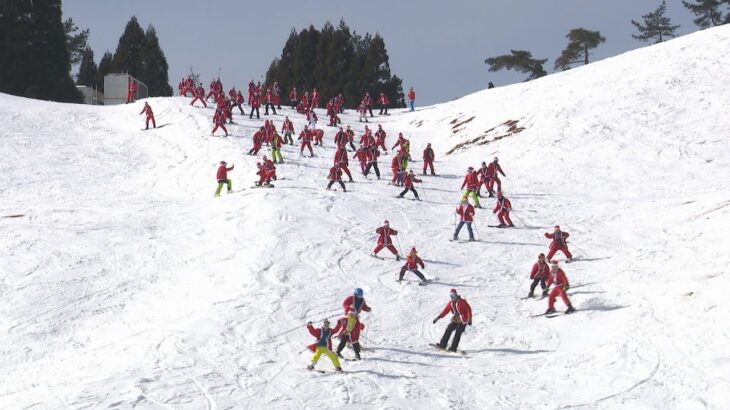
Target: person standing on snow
[(367, 102), (471, 182), (539, 274), (350, 137), (559, 243), (293, 97), (222, 177), (355, 302), (372, 159), (466, 216), (461, 317), (557, 278), (276, 143), (380, 138), (384, 233), (219, 119), (428, 157), (411, 99), (335, 175), (258, 141), (131, 91), (323, 345), (350, 328), (412, 263), (342, 160), (150, 116), (502, 210), (362, 156), (199, 95), (255, 99), (306, 137), (493, 171), (384, 101), (287, 128), (408, 181)]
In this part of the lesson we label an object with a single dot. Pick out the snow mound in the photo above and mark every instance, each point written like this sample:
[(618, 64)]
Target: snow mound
[(124, 283)]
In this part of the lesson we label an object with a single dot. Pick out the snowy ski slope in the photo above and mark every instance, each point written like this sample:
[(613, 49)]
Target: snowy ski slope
[(125, 284)]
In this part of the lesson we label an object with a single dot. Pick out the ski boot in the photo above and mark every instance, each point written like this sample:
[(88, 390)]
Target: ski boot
[(456, 237), (471, 239), (570, 310), (531, 295), (549, 311), (310, 367), (357, 356), (338, 354), (501, 226), (545, 293), (338, 369), (397, 257)]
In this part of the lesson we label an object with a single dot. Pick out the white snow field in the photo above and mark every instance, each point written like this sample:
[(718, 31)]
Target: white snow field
[(125, 284)]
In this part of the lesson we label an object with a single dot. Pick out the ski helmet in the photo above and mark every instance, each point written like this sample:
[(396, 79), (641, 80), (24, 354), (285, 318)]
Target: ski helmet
[(358, 292)]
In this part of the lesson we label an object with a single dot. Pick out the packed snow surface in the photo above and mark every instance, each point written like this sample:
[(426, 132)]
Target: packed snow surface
[(124, 282)]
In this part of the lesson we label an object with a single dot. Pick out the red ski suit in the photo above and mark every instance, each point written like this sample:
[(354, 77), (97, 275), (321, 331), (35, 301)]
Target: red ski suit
[(471, 181), (222, 173), (335, 174), (559, 243), (413, 261), (409, 179), (466, 212), (306, 137), (502, 210), (150, 116), (354, 334), (380, 139), (557, 277), (428, 157), (353, 304), (460, 310), (362, 156), (384, 240), (493, 176), (219, 119), (539, 270), (341, 159), (199, 95)]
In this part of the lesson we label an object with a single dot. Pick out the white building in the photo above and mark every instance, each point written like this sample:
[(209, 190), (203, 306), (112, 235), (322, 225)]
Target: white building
[(116, 87)]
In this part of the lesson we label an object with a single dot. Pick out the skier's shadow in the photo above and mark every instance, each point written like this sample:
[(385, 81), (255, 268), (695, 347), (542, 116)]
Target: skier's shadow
[(437, 355), (400, 362), (515, 243), (509, 351), (441, 263), (603, 308), (387, 376)]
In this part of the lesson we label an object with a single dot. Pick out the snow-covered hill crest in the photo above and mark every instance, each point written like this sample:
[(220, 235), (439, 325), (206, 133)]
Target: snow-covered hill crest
[(124, 283)]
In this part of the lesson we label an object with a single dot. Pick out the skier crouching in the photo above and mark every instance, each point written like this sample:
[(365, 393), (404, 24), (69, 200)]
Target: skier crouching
[(336, 176), (412, 262), (323, 345)]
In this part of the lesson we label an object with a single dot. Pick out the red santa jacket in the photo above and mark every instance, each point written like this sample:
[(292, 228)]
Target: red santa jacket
[(413, 261), (471, 181), (147, 110), (341, 157), (492, 170), (318, 333), (373, 154), (540, 270), (384, 234), (361, 154), (380, 135), (255, 101), (466, 212), (559, 238), (503, 204), (287, 126), (557, 277), (367, 100), (428, 155), (353, 304), (335, 174), (459, 308), (409, 180), (305, 136), (258, 138), (411, 95), (222, 173), (384, 99), (354, 334), (395, 163), (239, 98)]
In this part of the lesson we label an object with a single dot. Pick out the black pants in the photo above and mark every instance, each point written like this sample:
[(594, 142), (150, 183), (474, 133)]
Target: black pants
[(371, 110), (257, 112), (447, 335), (535, 281), (288, 139), (409, 189), (294, 105), (332, 181), (343, 342), (383, 108), (375, 166), (352, 146), (404, 269), (272, 108)]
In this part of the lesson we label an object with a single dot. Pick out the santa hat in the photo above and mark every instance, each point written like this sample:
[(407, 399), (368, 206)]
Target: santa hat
[(385, 222), (453, 292), (557, 226)]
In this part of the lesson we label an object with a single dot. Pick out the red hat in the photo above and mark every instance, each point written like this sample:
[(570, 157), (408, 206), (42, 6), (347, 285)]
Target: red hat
[(386, 222), (554, 262), (223, 162), (453, 292), (557, 226), (413, 250)]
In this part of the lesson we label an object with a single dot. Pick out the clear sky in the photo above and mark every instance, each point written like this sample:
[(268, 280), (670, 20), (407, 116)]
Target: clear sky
[(438, 47)]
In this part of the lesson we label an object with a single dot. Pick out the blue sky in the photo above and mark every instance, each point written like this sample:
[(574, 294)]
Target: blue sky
[(438, 47)]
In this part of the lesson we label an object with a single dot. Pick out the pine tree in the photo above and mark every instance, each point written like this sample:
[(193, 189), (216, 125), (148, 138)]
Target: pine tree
[(127, 58), (75, 42), (87, 69), (656, 25), (105, 67), (34, 60), (707, 11), (580, 44), (154, 66), (519, 60)]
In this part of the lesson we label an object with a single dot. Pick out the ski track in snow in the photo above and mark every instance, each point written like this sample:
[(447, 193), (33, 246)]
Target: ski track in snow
[(125, 284)]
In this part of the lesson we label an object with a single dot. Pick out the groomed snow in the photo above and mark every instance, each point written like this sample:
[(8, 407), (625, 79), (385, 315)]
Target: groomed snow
[(126, 284)]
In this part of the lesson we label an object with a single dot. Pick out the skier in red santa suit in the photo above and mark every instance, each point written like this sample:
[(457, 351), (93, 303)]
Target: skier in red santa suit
[(315, 99), (380, 138), (342, 161), (131, 91), (356, 302), (258, 141), (219, 119), (559, 243), (372, 157), (466, 217), (502, 210), (461, 316), (306, 137), (384, 101), (318, 135), (408, 181), (199, 95), (350, 328), (350, 137), (557, 279), (238, 102), (471, 182), (428, 157), (293, 97), (384, 233), (255, 104), (412, 263), (367, 103), (150, 116), (264, 175), (341, 138), (335, 175), (493, 171), (287, 128), (269, 166), (362, 156), (251, 92), (539, 274)]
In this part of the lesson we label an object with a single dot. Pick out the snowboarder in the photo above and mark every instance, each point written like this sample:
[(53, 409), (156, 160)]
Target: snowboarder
[(384, 232), (287, 128), (150, 116), (461, 317), (559, 243), (493, 171), (471, 182), (336, 176), (428, 157), (539, 274), (222, 177), (306, 137), (350, 328), (502, 210), (411, 99), (560, 283), (323, 346), (342, 160), (466, 216), (219, 119), (408, 181), (412, 263)]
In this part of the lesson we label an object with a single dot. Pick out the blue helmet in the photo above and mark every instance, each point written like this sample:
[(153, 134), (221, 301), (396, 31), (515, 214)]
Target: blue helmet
[(358, 292)]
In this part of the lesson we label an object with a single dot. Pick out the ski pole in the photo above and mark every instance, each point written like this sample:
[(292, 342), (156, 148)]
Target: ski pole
[(477, 230), (400, 249), (518, 219)]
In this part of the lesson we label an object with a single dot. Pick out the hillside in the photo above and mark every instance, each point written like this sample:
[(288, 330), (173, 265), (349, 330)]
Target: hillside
[(124, 283)]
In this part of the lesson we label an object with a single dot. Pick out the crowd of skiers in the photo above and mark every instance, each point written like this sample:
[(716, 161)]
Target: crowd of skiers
[(545, 271)]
